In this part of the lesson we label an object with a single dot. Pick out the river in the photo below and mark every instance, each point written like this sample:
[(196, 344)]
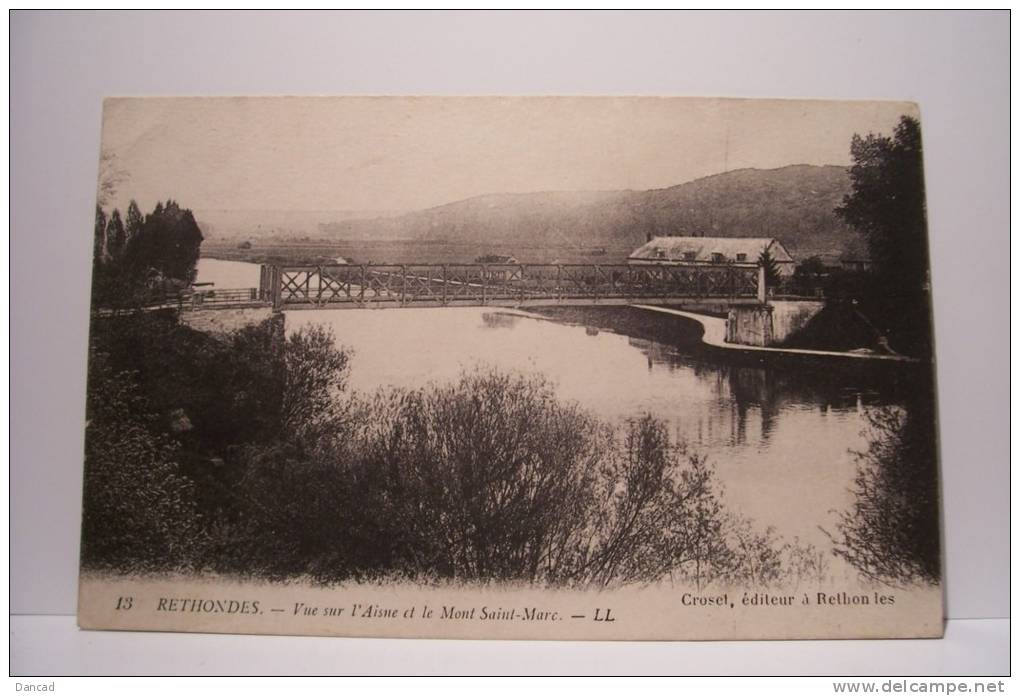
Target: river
[(782, 444), (227, 275)]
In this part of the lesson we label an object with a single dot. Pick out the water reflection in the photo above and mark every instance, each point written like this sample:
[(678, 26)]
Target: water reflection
[(738, 389), (764, 393), (780, 440), (500, 320)]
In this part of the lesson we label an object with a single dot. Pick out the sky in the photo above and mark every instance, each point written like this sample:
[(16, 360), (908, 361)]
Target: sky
[(408, 153)]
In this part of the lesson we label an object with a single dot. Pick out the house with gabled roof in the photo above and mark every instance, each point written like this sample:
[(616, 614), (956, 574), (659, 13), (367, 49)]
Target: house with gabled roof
[(712, 250)]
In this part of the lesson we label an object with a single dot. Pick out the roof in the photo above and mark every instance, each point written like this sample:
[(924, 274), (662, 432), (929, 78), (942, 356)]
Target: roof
[(677, 248)]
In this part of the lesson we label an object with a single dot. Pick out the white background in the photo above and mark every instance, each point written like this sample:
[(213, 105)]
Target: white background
[(955, 65)]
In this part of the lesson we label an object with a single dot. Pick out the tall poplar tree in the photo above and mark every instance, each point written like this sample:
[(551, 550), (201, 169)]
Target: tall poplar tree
[(133, 224), (99, 239), (115, 236)]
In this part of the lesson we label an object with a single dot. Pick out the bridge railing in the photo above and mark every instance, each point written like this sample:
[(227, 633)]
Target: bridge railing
[(223, 297), (481, 284)]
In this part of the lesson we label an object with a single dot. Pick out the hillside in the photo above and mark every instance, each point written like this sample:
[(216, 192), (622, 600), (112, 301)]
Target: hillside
[(794, 204)]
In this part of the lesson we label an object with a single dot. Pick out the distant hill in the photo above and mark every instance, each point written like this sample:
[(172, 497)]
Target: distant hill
[(794, 204)]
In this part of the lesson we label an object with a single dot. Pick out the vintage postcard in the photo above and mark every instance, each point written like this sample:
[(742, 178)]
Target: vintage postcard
[(511, 367)]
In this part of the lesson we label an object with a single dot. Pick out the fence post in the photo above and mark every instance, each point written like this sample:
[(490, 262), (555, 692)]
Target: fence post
[(444, 284), (762, 291), (522, 283), (559, 282), (277, 288), (485, 281)]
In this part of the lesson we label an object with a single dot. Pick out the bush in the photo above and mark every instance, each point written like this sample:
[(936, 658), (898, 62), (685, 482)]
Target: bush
[(314, 406), (891, 534), (493, 479), (249, 456), (487, 478), (139, 511)]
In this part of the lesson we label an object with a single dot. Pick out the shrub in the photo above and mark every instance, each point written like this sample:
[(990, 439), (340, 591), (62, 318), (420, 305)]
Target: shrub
[(493, 479), (284, 474), (139, 512), (487, 478), (891, 534), (314, 405)]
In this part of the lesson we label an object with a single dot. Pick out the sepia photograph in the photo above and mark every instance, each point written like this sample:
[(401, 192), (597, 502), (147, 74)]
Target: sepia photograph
[(586, 368)]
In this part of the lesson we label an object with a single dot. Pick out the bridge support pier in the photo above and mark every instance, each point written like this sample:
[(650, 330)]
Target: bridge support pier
[(769, 324), (277, 289), (750, 326)]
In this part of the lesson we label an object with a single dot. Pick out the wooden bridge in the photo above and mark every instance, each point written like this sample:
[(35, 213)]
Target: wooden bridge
[(516, 285)]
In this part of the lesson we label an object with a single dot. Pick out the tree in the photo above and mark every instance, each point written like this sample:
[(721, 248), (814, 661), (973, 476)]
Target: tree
[(311, 405), (135, 262), (115, 236), (134, 223), (168, 242), (891, 533), (772, 275), (99, 240), (810, 274), (810, 268), (886, 203)]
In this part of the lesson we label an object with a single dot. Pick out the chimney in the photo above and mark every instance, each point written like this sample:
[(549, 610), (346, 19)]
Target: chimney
[(648, 236)]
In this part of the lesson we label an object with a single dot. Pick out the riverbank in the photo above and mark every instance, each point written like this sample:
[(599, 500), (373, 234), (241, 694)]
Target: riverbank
[(714, 336), (701, 337)]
